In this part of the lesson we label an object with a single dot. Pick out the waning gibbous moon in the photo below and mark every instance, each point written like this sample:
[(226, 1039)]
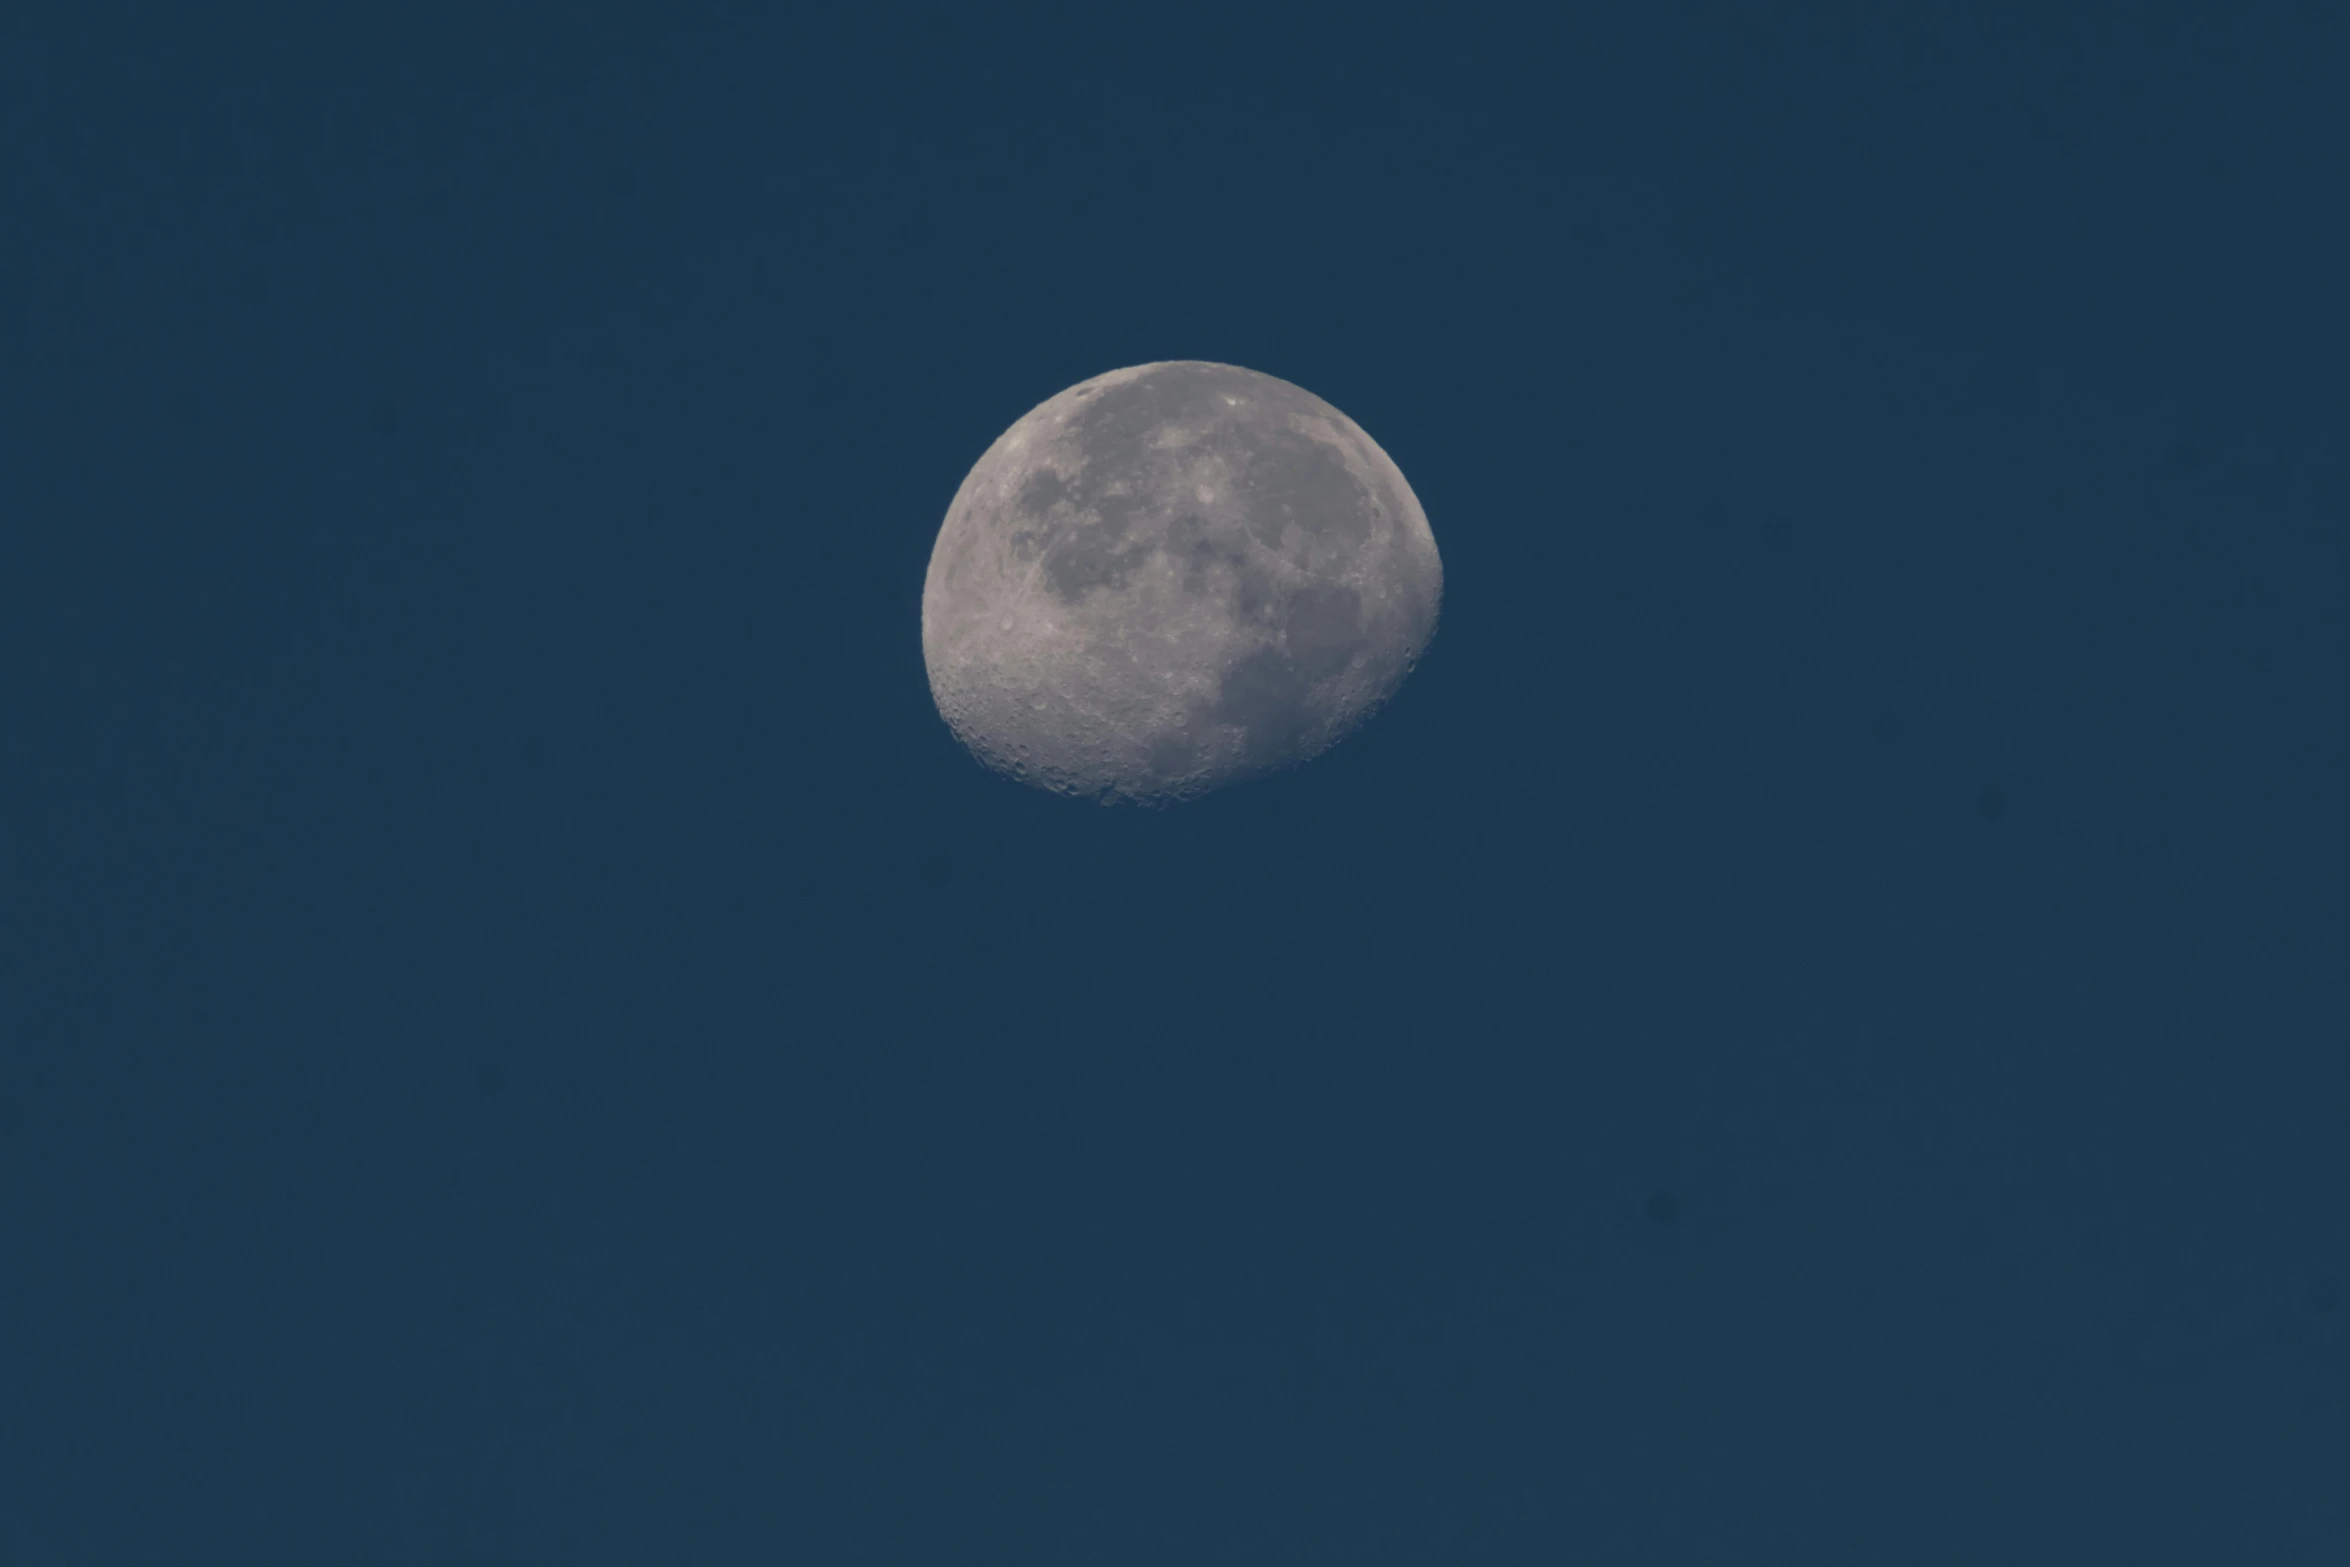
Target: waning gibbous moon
[(1173, 577)]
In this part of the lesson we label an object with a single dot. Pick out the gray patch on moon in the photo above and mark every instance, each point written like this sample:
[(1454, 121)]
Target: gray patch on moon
[(1172, 577)]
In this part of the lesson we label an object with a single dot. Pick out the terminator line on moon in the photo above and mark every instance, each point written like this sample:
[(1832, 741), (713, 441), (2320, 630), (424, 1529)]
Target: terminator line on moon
[(1173, 577)]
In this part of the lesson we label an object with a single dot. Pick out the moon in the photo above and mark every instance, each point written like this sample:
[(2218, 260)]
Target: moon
[(1173, 577)]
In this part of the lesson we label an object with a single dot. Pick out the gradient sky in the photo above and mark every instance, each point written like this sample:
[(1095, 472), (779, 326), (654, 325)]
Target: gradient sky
[(1813, 1031)]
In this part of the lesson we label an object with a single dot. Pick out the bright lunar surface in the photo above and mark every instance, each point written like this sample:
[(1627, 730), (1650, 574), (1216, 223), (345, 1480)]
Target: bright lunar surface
[(1173, 577)]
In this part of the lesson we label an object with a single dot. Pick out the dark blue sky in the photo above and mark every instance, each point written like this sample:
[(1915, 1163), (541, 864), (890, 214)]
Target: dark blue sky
[(1815, 1030)]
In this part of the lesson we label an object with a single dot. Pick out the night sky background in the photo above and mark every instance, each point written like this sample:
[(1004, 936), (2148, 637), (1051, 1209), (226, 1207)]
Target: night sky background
[(1815, 1030)]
